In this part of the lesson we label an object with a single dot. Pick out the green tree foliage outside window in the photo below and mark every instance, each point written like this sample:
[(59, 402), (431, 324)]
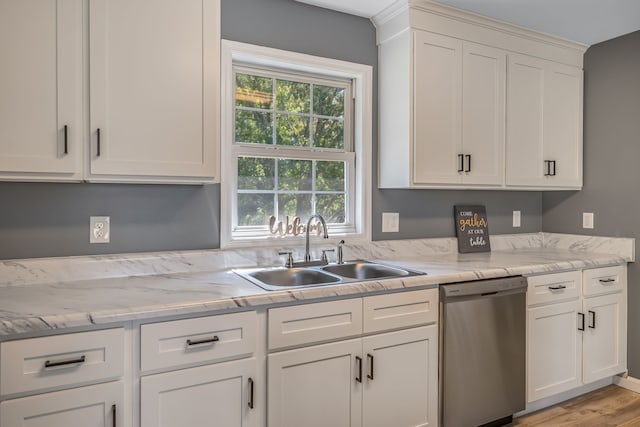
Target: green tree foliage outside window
[(294, 114)]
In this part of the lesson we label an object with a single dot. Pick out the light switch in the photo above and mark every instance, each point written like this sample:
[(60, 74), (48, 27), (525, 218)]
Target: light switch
[(587, 220), (390, 222), (516, 218)]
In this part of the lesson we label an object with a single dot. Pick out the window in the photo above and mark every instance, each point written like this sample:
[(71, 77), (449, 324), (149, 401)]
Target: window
[(293, 134)]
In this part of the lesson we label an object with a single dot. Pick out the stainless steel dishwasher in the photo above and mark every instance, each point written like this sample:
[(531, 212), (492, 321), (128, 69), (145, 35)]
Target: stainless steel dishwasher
[(482, 351)]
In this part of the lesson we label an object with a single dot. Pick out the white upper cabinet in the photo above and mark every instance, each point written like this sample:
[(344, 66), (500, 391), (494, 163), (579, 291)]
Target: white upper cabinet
[(454, 114), (154, 73), (544, 126), (41, 87)]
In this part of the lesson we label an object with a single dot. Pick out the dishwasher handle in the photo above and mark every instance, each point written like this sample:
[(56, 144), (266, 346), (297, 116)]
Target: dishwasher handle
[(483, 288)]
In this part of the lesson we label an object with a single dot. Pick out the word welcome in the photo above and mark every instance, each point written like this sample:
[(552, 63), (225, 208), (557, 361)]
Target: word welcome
[(291, 226)]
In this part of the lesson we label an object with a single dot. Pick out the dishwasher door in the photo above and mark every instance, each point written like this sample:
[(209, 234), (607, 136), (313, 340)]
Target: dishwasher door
[(483, 327)]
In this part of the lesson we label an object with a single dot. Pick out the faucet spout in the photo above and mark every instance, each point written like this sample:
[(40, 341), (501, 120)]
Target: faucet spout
[(307, 255)]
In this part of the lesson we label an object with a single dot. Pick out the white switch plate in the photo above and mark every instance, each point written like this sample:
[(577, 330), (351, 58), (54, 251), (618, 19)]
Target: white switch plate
[(99, 229), (516, 218), (587, 220), (390, 222)]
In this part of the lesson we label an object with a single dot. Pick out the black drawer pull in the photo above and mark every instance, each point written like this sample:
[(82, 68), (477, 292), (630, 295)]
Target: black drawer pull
[(557, 287), (581, 328), (250, 393), (50, 364), (359, 377), (66, 139), (592, 322), (468, 169), (461, 162), (203, 341), (609, 280), (98, 142), (370, 374)]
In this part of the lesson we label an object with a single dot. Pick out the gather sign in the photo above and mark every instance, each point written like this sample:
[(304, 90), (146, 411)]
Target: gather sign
[(472, 228)]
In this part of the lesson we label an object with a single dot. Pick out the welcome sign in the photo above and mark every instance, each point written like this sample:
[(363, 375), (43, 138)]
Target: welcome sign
[(472, 229)]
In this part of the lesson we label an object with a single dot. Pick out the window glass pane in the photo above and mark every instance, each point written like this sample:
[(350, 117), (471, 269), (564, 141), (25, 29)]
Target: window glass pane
[(328, 133), (255, 173), (331, 207), (254, 209), (292, 130), (254, 91), (295, 175), (328, 101), (330, 176), (254, 127), (295, 205), (292, 97)]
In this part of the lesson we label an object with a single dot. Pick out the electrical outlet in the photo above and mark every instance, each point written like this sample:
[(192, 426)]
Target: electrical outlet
[(587, 220), (99, 229), (390, 222), (516, 218)]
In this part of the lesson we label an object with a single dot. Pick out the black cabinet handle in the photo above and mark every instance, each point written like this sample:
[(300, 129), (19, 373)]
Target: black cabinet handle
[(66, 139), (592, 320), (250, 393), (557, 287), (50, 364), (554, 168), (113, 413), (359, 377), (547, 163), (203, 341), (370, 359), (581, 321), (468, 169), (609, 280), (98, 142), (460, 162)]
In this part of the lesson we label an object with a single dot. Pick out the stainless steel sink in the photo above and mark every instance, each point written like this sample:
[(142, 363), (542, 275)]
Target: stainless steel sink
[(365, 270), (279, 278)]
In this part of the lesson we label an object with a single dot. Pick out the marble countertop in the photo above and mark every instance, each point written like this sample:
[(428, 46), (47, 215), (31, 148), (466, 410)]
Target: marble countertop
[(38, 307)]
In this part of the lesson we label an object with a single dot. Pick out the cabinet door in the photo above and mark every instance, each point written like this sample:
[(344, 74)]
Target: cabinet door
[(525, 109), (41, 87), (563, 125), (605, 336), (154, 79), (437, 98), (316, 386), (483, 114), (401, 378), (554, 349), (94, 406), (212, 395)]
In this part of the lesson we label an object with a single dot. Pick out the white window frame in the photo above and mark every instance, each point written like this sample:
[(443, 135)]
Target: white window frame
[(258, 56)]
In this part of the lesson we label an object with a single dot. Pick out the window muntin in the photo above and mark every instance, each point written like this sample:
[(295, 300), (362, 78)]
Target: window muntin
[(293, 151)]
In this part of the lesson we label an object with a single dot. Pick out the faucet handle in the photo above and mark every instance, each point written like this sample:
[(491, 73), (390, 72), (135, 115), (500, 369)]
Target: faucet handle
[(324, 258), (340, 259), (289, 262)]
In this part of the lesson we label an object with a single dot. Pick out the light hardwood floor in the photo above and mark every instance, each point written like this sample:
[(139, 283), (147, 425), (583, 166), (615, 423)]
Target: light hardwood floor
[(608, 406)]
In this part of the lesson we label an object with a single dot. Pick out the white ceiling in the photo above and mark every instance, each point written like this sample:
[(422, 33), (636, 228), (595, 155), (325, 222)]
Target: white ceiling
[(584, 21)]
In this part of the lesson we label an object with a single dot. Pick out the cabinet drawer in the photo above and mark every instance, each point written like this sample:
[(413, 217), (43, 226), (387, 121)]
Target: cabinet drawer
[(204, 339), (604, 280), (554, 287), (400, 310), (61, 360), (309, 323)]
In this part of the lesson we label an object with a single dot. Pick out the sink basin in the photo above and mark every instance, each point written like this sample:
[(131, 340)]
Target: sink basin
[(365, 270), (277, 278)]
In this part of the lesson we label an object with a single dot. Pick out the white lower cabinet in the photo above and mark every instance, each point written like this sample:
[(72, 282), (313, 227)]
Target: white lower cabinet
[(221, 391), (578, 338), (96, 406), (386, 379), (221, 394)]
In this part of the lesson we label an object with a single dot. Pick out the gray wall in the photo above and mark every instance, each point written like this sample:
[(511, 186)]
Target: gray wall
[(611, 162), (39, 220)]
